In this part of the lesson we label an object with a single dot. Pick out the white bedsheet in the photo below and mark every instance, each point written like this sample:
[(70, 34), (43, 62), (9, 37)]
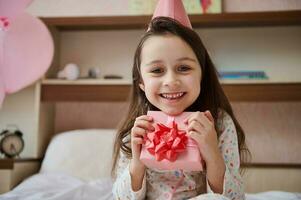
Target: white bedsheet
[(60, 186), (274, 195)]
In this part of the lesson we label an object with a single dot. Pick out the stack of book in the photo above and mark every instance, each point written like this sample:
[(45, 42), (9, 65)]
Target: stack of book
[(260, 75)]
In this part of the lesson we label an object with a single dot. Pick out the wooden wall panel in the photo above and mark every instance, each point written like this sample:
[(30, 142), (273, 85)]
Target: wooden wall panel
[(273, 130), (267, 179), (84, 115)]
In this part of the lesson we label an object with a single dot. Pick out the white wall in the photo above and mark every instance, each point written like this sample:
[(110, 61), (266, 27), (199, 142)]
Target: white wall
[(78, 7), (21, 109)]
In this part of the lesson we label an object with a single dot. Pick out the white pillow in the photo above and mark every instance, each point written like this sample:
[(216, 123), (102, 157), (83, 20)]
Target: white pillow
[(85, 154)]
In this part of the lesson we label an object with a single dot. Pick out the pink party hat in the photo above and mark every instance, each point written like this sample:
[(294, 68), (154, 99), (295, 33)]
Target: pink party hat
[(173, 9)]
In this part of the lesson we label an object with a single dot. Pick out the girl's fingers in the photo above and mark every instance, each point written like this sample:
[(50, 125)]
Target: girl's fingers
[(145, 117), (205, 121), (144, 124), (201, 118), (194, 116), (138, 132), (195, 126), (141, 126), (194, 135), (209, 115), (137, 140), (144, 121)]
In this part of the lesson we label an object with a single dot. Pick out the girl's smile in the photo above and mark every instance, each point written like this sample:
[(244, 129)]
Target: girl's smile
[(172, 98), (170, 72)]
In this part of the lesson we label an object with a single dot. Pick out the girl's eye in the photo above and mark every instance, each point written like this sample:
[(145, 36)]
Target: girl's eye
[(183, 68), (157, 70)]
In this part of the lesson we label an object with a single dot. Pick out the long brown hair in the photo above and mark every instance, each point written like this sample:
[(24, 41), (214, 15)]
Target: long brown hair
[(211, 97)]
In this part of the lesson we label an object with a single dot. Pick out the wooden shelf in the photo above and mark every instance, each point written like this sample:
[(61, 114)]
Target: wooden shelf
[(246, 19), (271, 165), (8, 163), (99, 81), (55, 93), (263, 92), (120, 92)]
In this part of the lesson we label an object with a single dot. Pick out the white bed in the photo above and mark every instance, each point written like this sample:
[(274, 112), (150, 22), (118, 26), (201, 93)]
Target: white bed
[(77, 166)]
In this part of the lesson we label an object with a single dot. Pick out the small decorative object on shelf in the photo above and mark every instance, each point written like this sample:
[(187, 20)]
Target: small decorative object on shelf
[(94, 72), (70, 72), (11, 143), (112, 76)]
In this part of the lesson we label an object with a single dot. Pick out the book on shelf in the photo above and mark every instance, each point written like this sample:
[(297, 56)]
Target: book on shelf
[(259, 75)]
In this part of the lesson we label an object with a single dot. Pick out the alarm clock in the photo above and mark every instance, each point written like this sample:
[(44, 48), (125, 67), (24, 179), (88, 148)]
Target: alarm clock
[(11, 143)]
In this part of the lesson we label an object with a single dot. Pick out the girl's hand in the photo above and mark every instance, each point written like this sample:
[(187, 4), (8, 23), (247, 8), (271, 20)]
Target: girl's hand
[(137, 168), (142, 124), (201, 128)]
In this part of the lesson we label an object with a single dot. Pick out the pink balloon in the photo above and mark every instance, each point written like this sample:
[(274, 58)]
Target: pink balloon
[(12, 8), (26, 47), (2, 86), (28, 52), (2, 92)]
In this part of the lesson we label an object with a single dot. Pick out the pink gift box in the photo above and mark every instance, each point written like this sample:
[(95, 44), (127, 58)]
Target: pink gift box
[(188, 158)]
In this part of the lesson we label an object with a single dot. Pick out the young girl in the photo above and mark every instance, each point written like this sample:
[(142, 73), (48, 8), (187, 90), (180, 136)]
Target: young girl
[(173, 73)]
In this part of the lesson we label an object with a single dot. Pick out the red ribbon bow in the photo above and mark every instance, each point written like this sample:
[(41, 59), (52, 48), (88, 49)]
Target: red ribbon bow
[(166, 143)]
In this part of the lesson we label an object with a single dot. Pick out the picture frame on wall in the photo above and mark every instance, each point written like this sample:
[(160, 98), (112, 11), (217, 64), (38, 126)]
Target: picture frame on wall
[(142, 7)]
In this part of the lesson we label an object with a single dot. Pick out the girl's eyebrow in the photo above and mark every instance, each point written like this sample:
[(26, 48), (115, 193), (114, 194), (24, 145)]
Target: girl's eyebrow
[(186, 58), (179, 59), (154, 62)]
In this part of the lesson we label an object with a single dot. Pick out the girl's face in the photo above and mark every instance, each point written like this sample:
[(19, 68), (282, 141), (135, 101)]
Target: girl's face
[(171, 74)]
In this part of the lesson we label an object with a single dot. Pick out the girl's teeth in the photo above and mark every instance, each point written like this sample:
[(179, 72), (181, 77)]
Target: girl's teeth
[(173, 96)]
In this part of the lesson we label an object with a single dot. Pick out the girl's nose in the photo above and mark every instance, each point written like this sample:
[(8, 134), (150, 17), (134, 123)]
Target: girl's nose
[(171, 80)]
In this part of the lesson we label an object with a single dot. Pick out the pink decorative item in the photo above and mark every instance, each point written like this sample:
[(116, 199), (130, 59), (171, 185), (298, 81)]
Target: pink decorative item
[(168, 147), (173, 9), (205, 5), (26, 47)]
